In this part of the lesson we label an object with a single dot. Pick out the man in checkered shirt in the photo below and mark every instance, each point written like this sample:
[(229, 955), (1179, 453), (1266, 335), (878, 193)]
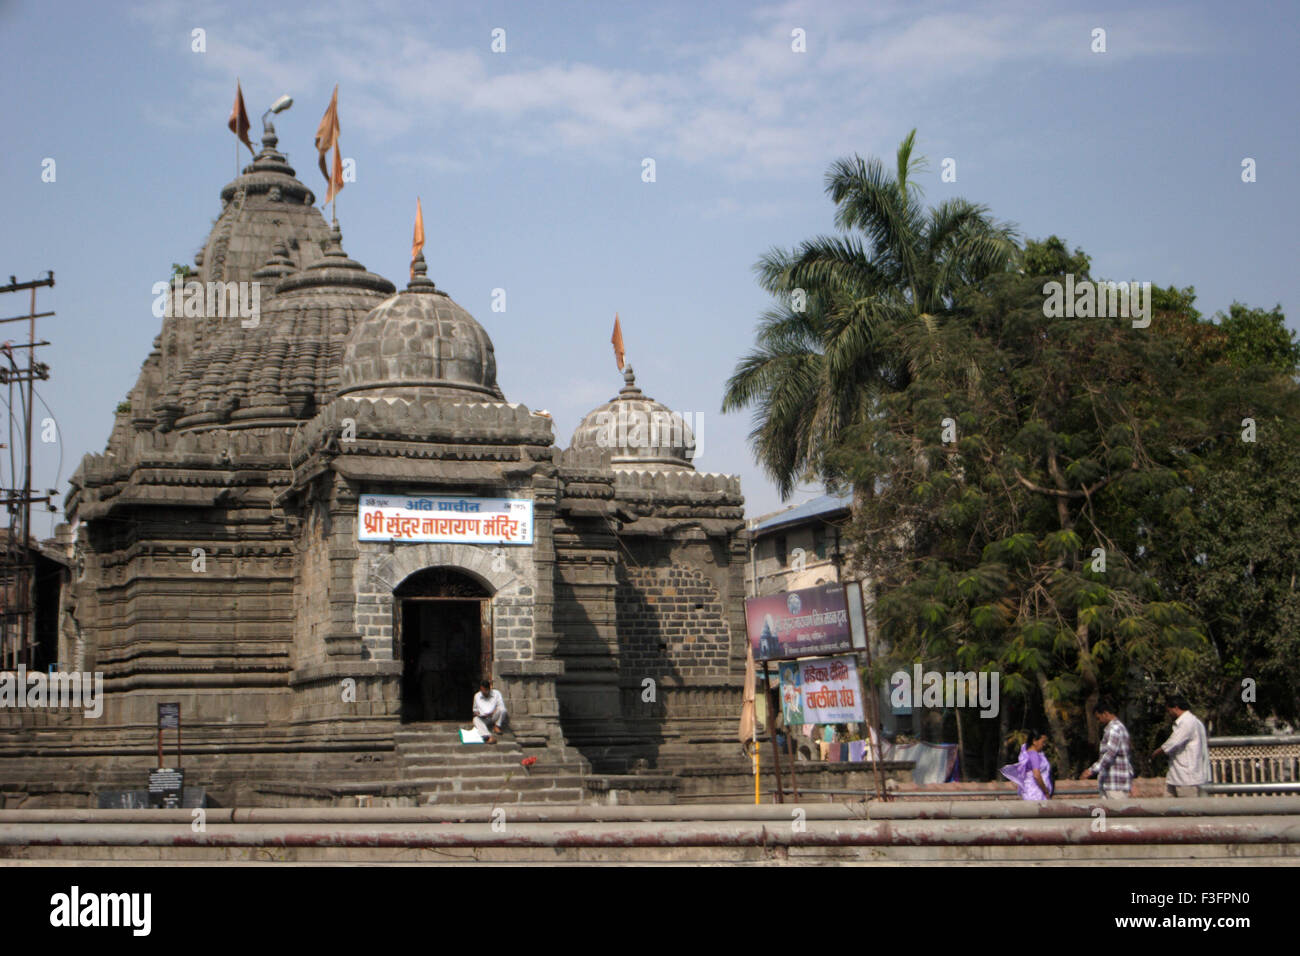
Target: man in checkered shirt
[(1114, 770)]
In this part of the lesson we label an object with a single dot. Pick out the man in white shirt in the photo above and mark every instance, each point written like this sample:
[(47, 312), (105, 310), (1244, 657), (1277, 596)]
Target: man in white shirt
[(489, 708), (1189, 752)]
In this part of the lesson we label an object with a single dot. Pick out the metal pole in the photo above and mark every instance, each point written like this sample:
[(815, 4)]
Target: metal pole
[(1278, 831), (789, 749), (28, 624), (753, 732), (1069, 808)]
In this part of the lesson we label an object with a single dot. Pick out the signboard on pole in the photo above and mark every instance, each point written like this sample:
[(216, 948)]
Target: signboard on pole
[(169, 716), (445, 519), (821, 691), (801, 623)]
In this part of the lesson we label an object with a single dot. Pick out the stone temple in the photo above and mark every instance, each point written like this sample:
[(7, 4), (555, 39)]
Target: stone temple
[(216, 557)]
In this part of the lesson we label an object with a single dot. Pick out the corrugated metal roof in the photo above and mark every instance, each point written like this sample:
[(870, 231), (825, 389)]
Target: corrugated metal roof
[(823, 505)]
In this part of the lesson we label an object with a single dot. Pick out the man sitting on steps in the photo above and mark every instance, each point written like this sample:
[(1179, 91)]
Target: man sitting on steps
[(489, 708)]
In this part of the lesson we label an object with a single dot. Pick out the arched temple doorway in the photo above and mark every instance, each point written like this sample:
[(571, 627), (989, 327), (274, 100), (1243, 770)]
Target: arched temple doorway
[(443, 619)]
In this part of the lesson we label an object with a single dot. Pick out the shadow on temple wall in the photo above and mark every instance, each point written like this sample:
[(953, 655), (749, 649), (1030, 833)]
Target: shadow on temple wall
[(598, 689)]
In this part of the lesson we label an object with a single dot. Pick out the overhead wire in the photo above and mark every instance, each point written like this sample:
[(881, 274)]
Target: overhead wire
[(58, 472)]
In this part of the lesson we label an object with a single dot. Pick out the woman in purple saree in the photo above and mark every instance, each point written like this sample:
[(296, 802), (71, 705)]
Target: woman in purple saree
[(1032, 774)]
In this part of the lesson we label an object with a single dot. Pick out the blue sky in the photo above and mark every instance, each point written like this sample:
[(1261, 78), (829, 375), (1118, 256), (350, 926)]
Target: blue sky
[(529, 163)]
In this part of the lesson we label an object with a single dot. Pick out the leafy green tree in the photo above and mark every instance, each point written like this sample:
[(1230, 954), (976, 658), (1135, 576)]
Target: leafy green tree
[(1243, 582), (1075, 503), (1023, 483), (820, 362), (1233, 554), (1256, 337)]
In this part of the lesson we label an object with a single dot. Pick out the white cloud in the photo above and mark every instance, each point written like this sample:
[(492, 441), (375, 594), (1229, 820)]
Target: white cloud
[(743, 99)]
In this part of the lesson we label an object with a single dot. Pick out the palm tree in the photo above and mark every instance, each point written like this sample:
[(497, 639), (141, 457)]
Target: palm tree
[(832, 343)]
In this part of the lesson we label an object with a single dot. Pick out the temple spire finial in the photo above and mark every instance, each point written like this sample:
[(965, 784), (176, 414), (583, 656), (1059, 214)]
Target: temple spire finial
[(334, 246), (420, 281)]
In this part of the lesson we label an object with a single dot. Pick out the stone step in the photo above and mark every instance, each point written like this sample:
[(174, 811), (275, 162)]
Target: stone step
[(418, 726), (420, 771), (425, 744), (429, 748), (436, 738), (475, 798), (490, 785), (433, 781), (465, 760), (447, 739), (441, 769), (500, 758)]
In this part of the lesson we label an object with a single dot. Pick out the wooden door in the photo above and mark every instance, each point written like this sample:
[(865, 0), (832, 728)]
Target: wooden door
[(485, 636)]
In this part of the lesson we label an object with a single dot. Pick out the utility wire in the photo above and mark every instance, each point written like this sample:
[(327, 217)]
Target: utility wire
[(58, 472)]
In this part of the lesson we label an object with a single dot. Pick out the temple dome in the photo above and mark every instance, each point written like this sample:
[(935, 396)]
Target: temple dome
[(640, 433), (268, 229), (420, 345), (287, 366)]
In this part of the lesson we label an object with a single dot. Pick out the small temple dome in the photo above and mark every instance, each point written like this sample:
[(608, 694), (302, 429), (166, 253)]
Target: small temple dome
[(640, 433), (420, 345)]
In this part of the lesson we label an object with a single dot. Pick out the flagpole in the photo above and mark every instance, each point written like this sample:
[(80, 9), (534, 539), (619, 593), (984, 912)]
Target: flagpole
[(239, 95)]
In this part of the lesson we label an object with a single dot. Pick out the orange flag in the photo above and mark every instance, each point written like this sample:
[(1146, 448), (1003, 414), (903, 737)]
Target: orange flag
[(417, 241), (327, 134), (238, 122), (617, 341), (336, 180)]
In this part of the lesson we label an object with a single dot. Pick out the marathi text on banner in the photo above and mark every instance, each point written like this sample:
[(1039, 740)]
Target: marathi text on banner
[(821, 691), (442, 519), (802, 623)]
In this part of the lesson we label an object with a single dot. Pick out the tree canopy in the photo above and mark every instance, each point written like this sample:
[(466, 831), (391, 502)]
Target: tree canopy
[(1087, 506)]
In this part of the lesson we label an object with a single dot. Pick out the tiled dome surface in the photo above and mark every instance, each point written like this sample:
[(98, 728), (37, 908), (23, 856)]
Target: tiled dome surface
[(420, 345), (640, 433)]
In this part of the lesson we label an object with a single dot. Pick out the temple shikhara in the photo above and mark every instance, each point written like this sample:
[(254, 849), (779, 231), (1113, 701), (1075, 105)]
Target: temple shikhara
[(315, 530)]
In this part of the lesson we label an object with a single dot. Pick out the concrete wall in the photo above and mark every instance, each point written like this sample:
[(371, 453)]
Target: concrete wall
[(775, 576)]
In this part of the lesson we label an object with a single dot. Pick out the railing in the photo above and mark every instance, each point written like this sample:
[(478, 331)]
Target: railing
[(1241, 765)]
